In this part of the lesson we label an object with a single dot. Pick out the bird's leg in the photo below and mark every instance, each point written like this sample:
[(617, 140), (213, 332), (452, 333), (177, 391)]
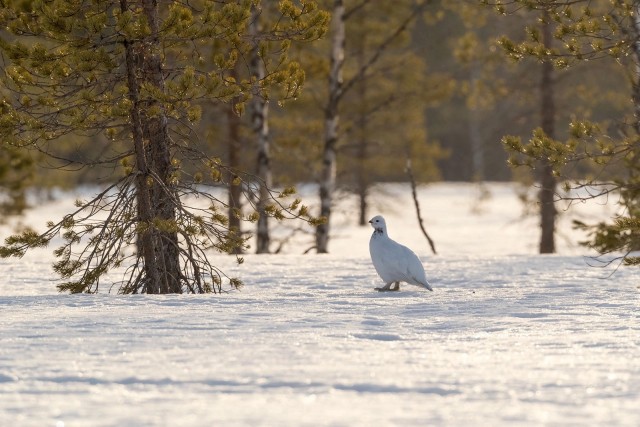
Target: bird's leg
[(396, 287), (385, 288)]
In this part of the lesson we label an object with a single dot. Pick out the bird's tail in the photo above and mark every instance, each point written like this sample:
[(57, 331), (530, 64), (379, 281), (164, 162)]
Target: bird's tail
[(427, 286)]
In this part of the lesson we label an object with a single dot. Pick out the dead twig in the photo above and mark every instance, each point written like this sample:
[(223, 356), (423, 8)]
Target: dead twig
[(414, 194)]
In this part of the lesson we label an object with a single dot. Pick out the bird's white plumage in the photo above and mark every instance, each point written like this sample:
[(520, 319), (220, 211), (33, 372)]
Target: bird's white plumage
[(394, 262)]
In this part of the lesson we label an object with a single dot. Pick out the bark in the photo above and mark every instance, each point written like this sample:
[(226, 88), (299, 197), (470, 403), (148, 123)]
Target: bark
[(163, 192), (145, 213), (363, 192), (475, 133), (337, 89), (157, 246), (260, 117), (362, 180), (547, 179), (636, 81), (235, 191), (328, 173)]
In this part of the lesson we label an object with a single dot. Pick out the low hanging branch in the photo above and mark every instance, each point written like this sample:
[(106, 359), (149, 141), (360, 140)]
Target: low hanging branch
[(414, 194)]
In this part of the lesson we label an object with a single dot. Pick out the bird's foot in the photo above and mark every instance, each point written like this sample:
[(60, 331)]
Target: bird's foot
[(385, 289)]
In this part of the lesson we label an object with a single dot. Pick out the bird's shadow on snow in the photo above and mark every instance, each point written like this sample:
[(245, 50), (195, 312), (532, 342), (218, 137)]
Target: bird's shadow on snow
[(401, 294)]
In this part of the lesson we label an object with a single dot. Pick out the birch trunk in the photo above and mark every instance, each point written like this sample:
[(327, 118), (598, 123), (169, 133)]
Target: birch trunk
[(260, 117), (328, 173), (547, 179)]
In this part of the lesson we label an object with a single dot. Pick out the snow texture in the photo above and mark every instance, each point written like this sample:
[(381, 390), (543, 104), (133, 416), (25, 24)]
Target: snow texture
[(503, 340)]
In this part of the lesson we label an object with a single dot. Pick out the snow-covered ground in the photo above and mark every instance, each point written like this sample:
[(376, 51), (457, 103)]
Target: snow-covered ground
[(506, 338)]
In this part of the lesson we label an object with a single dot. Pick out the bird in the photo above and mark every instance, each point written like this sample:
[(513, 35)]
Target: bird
[(394, 262)]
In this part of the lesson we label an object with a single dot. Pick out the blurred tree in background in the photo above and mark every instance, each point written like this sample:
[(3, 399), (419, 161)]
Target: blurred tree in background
[(503, 97), (16, 174), (376, 87), (590, 34), (384, 116)]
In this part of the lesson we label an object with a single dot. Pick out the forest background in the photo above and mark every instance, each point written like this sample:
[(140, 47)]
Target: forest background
[(421, 83)]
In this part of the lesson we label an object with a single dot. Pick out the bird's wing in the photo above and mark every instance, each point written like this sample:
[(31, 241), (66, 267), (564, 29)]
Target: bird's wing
[(413, 269)]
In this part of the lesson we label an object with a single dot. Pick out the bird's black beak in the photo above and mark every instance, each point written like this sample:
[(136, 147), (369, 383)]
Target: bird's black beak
[(370, 221)]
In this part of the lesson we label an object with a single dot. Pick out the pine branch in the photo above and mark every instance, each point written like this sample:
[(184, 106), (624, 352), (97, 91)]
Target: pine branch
[(355, 8), (380, 49)]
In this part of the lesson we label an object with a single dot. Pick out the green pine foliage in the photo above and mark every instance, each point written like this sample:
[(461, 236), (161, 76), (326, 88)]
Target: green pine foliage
[(16, 173), (589, 34), (100, 70)]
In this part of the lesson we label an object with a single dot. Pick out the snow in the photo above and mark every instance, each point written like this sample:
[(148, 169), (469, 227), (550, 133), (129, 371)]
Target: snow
[(507, 337)]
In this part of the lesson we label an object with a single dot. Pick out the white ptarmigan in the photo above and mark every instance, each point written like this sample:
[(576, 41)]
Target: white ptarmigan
[(394, 262)]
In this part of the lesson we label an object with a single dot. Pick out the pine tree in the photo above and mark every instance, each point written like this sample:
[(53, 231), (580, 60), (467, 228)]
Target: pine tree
[(16, 173), (610, 32), (511, 97), (384, 113), (135, 71), (548, 182)]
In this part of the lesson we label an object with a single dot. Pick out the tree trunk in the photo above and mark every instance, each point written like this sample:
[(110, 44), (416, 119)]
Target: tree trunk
[(234, 189), (260, 116), (635, 94), (362, 179), (547, 179), (363, 192), (163, 194), (475, 133), (328, 174), (157, 241)]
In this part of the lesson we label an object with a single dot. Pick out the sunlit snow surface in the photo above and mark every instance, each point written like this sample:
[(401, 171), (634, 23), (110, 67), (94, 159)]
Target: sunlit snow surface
[(503, 340)]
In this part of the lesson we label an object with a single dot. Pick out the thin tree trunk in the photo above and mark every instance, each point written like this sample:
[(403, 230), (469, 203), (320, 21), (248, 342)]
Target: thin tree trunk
[(235, 191), (475, 135), (361, 159), (260, 117), (547, 179), (328, 174), (363, 205), (361, 132)]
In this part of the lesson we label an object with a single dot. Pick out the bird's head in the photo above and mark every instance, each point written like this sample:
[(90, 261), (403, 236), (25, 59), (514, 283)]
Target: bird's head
[(377, 222)]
